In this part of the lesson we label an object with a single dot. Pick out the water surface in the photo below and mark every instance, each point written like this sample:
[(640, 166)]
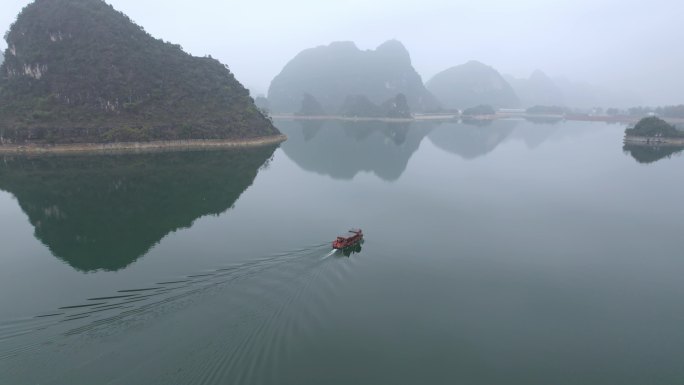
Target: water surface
[(512, 252)]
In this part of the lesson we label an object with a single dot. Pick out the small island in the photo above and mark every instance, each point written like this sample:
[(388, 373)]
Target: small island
[(483, 110), (80, 76), (654, 131)]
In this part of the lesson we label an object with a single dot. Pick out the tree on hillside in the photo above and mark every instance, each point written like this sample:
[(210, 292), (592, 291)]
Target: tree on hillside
[(360, 106), (397, 107), (480, 110), (653, 126), (310, 107)]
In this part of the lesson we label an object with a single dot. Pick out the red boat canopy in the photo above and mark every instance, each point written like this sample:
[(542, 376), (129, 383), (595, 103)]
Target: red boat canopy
[(343, 242)]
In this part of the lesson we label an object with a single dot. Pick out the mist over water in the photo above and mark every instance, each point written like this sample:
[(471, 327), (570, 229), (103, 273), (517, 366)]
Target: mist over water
[(495, 253), (175, 178), (626, 50)]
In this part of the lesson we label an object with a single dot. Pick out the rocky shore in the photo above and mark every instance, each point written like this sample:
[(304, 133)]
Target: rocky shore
[(141, 146)]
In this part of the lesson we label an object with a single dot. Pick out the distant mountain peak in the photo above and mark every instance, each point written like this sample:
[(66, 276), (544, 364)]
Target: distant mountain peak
[(393, 45), (538, 74), (394, 50), (342, 45), (540, 77), (475, 63), (470, 84), (334, 72), (538, 90)]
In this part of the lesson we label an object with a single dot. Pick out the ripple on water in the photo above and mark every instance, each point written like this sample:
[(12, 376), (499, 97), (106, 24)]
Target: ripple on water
[(269, 303)]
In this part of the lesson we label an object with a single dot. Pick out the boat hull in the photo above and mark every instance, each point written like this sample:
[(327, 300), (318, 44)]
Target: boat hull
[(343, 243)]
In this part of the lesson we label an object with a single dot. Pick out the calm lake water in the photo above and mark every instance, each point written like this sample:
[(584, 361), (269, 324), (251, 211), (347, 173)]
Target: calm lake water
[(508, 253)]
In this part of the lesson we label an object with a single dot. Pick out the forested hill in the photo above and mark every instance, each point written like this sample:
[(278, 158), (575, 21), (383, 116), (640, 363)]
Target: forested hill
[(80, 71), (538, 89), (472, 84), (334, 72)]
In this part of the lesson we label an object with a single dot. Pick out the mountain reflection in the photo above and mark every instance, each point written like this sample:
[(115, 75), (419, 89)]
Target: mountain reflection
[(106, 211), (547, 120), (470, 141), (650, 154), (342, 149)]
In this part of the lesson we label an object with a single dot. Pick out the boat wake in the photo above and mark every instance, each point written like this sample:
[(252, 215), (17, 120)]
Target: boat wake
[(98, 314)]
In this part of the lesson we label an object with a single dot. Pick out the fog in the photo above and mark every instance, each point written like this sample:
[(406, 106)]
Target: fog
[(628, 46)]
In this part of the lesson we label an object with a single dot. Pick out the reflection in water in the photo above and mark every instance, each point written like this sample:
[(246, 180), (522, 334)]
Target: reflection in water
[(650, 154), (106, 211), (463, 283), (342, 149), (534, 134), (544, 119), (310, 128), (256, 309), (470, 141), (353, 249), (476, 122)]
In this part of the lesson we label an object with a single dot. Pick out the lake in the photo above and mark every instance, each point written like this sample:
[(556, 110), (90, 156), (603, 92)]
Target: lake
[(506, 252)]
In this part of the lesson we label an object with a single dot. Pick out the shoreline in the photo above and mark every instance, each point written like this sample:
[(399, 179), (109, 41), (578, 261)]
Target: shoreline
[(160, 145), (338, 117), (649, 141), (621, 119), (450, 117)]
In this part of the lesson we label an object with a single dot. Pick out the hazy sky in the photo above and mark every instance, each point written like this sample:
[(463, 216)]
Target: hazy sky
[(630, 44)]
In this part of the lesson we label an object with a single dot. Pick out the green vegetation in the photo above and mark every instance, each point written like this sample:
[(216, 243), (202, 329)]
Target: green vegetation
[(310, 107), (654, 127), (664, 111), (671, 111), (360, 106), (480, 110), (471, 84), (79, 71), (262, 103), (332, 73), (397, 107)]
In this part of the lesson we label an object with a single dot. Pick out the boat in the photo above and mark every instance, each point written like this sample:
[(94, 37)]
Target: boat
[(345, 242)]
